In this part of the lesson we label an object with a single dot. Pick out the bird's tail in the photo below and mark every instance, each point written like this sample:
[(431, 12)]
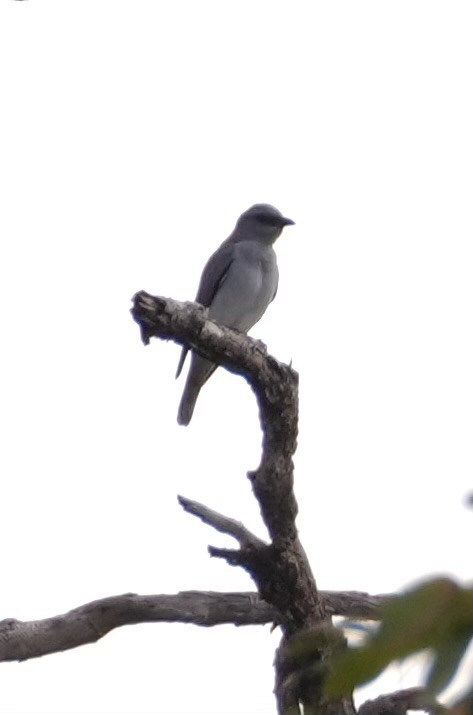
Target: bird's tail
[(199, 372), (187, 404)]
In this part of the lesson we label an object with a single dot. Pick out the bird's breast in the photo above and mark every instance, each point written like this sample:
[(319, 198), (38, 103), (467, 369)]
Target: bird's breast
[(248, 288)]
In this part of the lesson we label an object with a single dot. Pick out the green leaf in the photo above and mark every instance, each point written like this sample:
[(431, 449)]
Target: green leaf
[(437, 615), (446, 659)]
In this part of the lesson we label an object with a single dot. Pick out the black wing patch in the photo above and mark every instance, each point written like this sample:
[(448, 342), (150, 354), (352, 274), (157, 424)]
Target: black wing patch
[(214, 273), (213, 276), (182, 360)]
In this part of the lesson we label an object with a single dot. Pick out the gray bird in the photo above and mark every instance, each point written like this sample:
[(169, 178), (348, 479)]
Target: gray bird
[(238, 283)]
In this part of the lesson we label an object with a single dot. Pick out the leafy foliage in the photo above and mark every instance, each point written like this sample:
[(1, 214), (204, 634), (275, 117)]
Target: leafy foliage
[(436, 616)]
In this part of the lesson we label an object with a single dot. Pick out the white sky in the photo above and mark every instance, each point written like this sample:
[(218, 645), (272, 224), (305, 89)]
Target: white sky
[(132, 135)]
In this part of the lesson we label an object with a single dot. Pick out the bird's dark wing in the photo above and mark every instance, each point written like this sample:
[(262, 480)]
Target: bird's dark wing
[(213, 275), (182, 360), (215, 272), (277, 284)]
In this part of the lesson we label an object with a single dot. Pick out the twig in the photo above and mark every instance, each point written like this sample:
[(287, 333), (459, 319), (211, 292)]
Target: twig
[(400, 702), (221, 523)]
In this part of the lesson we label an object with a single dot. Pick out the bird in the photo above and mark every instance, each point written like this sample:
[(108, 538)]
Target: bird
[(238, 283)]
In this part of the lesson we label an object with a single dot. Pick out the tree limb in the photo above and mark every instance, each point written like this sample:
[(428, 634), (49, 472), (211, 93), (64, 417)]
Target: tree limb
[(21, 640), (352, 604), (275, 386), (222, 523), (400, 702), (290, 587), (280, 569)]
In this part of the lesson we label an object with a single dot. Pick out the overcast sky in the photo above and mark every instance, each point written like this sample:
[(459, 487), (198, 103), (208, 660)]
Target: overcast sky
[(132, 135)]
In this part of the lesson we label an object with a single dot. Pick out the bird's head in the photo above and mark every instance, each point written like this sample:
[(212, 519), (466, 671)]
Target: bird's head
[(263, 222)]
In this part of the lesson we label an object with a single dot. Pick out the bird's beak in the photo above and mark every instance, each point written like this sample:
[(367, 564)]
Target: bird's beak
[(288, 222)]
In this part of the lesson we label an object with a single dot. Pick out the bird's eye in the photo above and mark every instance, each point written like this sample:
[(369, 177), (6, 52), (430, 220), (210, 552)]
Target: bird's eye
[(267, 220)]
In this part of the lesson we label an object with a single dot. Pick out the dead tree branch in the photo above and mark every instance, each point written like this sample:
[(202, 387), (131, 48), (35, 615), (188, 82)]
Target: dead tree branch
[(351, 604), (280, 569), (400, 702), (21, 640), (222, 523)]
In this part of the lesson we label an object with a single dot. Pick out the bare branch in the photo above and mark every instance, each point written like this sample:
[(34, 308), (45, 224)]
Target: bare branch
[(289, 585), (400, 702), (274, 384), (21, 640), (221, 523), (356, 605), (281, 569)]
